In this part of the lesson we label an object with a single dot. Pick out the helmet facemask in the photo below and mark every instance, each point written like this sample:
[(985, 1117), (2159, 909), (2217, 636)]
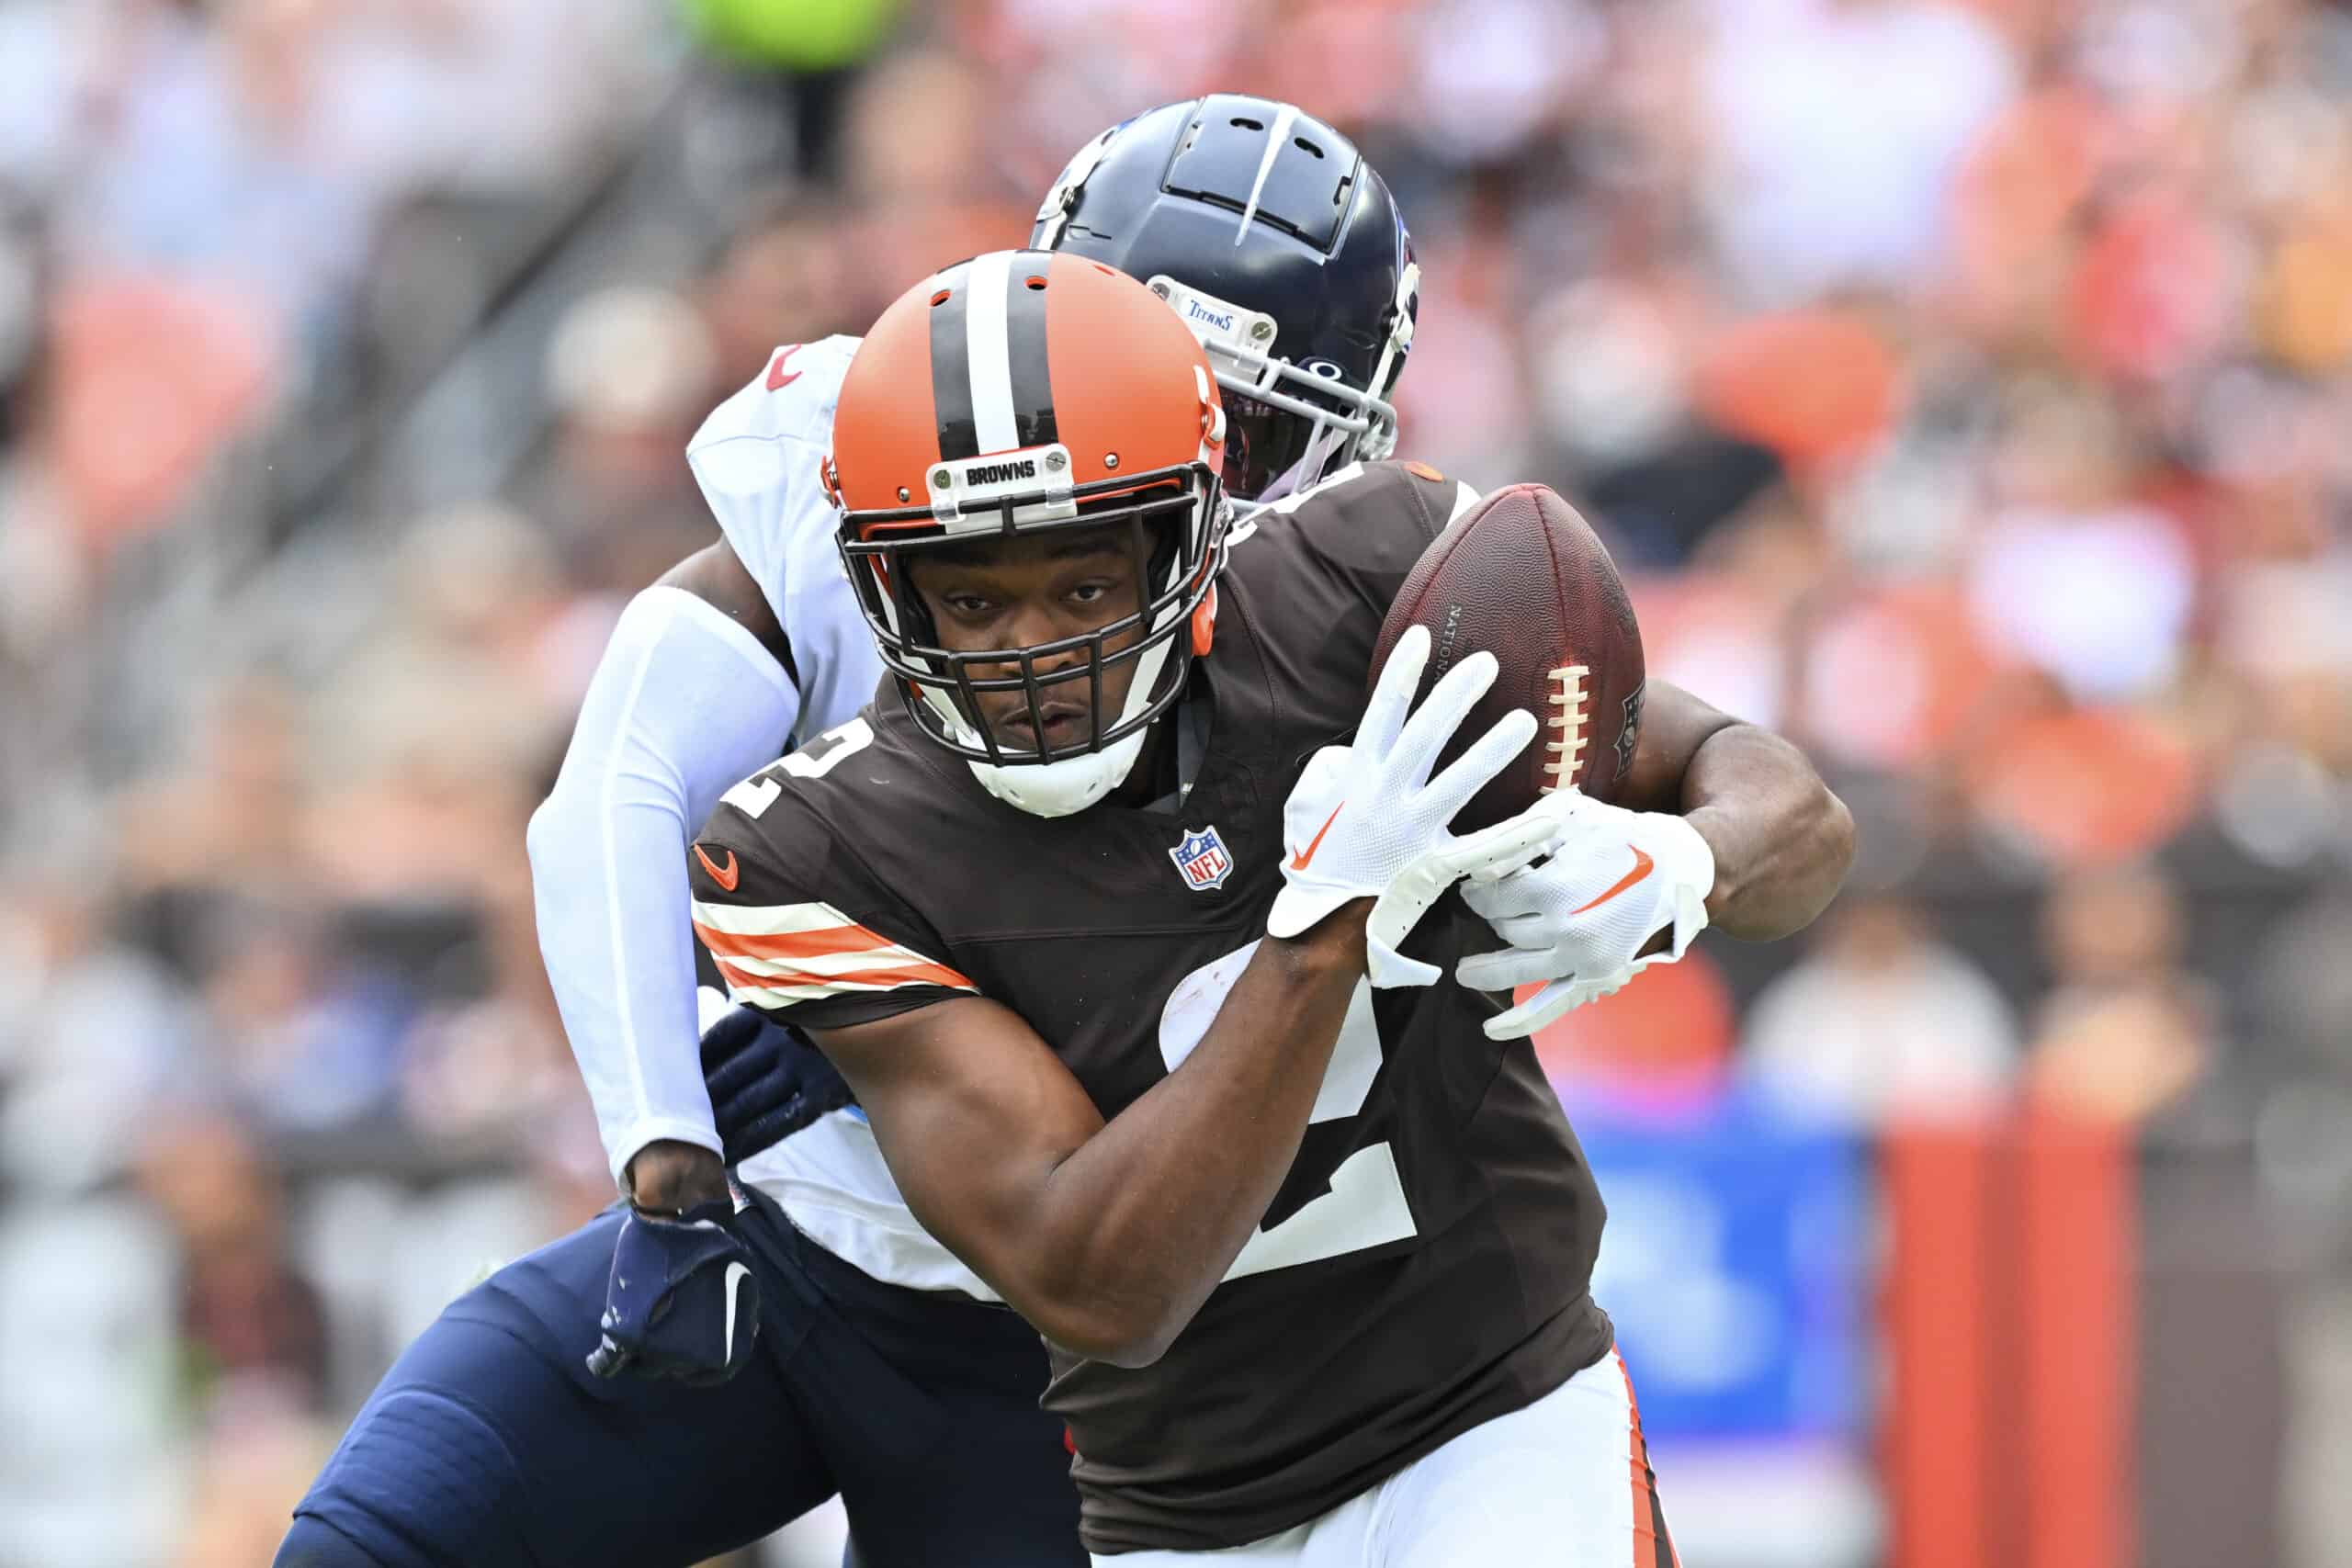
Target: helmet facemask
[(1174, 521), (1293, 422)]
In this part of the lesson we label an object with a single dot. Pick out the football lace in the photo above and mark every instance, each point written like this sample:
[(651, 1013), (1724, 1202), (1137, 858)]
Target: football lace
[(1567, 747)]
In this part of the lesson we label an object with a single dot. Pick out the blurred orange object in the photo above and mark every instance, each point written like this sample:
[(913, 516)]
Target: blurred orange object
[(2015, 198), (1669, 1031), (2011, 1314), (1891, 677), (2085, 784), (1812, 384), (2304, 314), (153, 378)]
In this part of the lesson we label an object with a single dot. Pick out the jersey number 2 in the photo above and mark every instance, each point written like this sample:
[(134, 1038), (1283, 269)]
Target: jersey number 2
[(1366, 1206), (814, 761)]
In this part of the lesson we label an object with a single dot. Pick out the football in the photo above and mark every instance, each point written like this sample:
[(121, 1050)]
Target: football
[(1523, 575)]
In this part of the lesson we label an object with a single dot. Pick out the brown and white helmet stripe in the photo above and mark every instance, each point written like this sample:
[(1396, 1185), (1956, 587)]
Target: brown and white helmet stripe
[(992, 384)]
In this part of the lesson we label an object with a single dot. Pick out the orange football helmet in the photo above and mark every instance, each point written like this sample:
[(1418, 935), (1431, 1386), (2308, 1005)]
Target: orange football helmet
[(1018, 393)]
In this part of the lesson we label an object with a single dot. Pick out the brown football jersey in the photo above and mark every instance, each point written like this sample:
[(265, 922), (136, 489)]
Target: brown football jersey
[(1424, 1267)]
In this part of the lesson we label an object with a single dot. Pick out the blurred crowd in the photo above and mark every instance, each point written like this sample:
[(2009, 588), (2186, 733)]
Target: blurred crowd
[(1959, 382)]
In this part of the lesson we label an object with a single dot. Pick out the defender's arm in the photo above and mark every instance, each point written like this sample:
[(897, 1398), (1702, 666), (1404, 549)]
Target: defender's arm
[(690, 696)]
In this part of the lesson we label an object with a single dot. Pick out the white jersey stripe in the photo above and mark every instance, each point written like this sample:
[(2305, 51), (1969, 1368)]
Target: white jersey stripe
[(988, 351), (769, 920)]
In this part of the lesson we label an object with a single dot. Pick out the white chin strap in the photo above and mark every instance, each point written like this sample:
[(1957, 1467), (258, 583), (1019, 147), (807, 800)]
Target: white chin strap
[(1060, 789)]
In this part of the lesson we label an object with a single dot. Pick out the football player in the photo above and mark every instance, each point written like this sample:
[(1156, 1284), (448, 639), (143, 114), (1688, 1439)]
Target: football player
[(1122, 914), (857, 1354)]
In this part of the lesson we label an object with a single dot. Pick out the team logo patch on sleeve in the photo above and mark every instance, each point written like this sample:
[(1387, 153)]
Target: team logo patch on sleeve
[(1201, 860)]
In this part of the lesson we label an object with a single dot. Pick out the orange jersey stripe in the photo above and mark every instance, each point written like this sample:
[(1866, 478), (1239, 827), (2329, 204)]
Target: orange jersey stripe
[(885, 979)]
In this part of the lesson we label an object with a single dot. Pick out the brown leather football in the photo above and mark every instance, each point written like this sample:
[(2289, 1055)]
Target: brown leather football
[(1523, 576)]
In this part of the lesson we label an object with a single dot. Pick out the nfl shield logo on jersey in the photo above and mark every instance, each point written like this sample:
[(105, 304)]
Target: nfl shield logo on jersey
[(1201, 858)]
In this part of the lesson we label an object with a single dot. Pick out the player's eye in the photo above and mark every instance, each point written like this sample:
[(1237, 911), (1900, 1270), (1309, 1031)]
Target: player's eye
[(1089, 593), (967, 604)]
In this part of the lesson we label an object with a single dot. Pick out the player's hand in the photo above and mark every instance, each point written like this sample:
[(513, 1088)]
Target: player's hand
[(683, 1301), (1582, 918), (1366, 820), (766, 1081)]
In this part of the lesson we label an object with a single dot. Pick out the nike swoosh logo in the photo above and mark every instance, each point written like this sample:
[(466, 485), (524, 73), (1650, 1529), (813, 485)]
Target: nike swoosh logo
[(1316, 842), (728, 877), (778, 378), (1643, 866), (736, 1275)]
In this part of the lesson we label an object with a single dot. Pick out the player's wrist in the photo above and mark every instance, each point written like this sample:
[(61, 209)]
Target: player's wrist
[(1336, 941), (674, 1176)]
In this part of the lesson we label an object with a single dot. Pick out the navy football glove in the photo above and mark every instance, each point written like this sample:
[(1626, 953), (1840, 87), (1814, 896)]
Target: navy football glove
[(683, 1302), (766, 1081)]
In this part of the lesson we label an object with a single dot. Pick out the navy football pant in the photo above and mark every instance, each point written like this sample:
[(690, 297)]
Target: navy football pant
[(489, 1444)]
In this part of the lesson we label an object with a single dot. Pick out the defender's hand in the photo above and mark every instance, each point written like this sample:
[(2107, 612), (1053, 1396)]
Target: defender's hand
[(766, 1081), (1581, 919), (1366, 820), (683, 1301)]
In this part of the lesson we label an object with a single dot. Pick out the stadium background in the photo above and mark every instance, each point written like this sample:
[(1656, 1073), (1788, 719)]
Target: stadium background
[(1964, 381)]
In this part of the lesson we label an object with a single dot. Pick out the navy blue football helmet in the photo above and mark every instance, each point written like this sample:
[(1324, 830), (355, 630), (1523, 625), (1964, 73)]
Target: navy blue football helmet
[(1284, 252)]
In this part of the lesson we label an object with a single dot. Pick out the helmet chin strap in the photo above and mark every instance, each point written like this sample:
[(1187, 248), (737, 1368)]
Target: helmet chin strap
[(1071, 786)]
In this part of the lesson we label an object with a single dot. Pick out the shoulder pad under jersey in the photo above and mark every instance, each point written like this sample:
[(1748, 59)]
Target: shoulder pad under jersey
[(757, 459)]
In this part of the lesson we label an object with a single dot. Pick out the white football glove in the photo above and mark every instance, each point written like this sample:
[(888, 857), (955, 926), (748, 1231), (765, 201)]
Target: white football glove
[(1367, 821), (1615, 879)]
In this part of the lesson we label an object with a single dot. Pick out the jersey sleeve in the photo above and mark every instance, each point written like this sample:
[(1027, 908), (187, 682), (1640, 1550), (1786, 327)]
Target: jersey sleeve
[(756, 460), (797, 925), (682, 703)]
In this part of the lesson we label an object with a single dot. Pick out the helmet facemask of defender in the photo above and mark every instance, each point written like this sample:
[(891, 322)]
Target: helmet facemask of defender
[(1024, 396)]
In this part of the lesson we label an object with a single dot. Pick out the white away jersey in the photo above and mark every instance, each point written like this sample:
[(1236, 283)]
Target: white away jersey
[(756, 459)]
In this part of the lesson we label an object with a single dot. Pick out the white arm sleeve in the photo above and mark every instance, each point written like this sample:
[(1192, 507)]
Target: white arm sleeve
[(684, 703)]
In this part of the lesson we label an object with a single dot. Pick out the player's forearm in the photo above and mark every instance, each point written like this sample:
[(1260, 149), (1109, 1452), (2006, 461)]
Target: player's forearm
[(1782, 841), (683, 704), (1140, 1224)]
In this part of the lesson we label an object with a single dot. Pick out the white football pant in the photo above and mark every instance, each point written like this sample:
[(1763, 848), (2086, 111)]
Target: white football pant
[(1564, 1483)]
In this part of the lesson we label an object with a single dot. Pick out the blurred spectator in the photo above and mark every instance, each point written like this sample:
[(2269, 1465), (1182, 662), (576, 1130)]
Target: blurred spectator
[(90, 1029), (1882, 1024), (250, 1326), (630, 372), (2125, 1033)]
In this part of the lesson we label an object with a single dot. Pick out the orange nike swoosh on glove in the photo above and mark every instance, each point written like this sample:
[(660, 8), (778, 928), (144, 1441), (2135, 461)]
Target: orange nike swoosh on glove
[(1308, 853), (1643, 866), (726, 879)]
